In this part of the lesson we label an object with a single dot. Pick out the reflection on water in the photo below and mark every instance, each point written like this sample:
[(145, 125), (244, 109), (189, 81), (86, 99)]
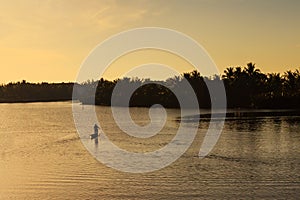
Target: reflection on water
[(43, 158)]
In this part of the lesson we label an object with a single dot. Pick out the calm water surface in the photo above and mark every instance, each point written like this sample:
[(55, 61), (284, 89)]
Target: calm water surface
[(41, 157)]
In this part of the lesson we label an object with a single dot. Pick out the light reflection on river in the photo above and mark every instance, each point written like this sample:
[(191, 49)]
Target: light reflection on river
[(42, 158)]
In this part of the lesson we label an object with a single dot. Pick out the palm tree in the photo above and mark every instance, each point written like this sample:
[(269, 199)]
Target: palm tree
[(238, 72), (274, 85), (250, 69), (195, 75), (229, 73), (289, 82)]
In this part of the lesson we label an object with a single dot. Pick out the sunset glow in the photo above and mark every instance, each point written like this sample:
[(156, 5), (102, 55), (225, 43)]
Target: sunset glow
[(48, 40)]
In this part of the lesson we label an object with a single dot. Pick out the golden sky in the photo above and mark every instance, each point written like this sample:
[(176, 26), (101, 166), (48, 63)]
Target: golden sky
[(47, 40)]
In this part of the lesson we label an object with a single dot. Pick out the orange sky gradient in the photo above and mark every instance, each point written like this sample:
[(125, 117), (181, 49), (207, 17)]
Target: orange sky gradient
[(48, 40)]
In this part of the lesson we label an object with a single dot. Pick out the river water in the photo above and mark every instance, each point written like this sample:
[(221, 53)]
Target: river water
[(42, 157)]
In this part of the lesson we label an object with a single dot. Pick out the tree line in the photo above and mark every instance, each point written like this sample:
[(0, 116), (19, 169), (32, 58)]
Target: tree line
[(246, 87), (35, 92), (249, 87)]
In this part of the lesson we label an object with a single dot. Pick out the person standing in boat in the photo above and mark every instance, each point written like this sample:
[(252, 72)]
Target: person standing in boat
[(96, 127)]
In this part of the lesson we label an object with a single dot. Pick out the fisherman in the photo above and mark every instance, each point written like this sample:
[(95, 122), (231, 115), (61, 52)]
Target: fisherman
[(96, 127)]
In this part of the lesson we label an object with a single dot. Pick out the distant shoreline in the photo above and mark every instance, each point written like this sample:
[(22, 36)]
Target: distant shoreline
[(230, 111), (33, 101)]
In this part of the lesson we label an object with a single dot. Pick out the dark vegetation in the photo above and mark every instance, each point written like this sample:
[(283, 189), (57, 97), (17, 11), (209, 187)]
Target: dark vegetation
[(246, 87), (34, 92), (250, 88)]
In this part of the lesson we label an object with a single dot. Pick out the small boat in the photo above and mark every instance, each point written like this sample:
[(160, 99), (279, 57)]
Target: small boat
[(93, 136)]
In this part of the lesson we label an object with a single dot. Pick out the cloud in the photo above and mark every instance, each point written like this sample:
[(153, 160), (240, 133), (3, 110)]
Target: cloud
[(120, 15)]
